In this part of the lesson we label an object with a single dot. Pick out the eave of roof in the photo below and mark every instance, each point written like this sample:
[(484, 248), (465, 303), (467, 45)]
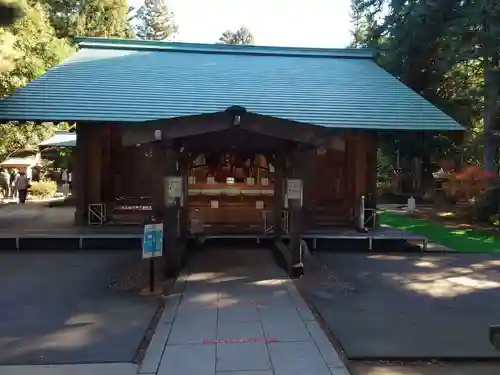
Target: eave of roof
[(131, 81), (233, 49), (15, 161), (60, 139)]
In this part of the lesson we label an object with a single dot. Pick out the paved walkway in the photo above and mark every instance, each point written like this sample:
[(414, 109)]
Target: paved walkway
[(233, 313), (237, 313)]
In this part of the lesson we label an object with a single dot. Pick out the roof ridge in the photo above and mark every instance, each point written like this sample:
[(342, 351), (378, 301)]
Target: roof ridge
[(149, 45)]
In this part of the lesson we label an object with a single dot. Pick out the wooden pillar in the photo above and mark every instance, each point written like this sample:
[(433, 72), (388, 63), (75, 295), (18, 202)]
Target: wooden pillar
[(78, 175), (360, 186), (371, 166), (171, 251), (93, 163), (107, 173), (157, 191), (295, 209), (350, 175), (279, 175), (87, 172), (184, 162), (308, 162)]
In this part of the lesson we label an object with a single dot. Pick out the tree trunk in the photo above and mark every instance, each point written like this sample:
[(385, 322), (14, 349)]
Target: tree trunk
[(490, 93)]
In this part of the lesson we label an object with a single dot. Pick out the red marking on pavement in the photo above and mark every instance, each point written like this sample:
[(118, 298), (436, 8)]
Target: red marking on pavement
[(235, 341), (239, 303), (213, 304)]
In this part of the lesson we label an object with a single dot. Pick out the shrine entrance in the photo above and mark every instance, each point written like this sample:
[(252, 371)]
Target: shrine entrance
[(236, 183), (224, 174), (231, 192)]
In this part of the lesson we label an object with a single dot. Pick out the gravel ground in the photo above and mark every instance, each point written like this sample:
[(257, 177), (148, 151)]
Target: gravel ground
[(367, 368), (59, 308), (320, 275), (136, 276)]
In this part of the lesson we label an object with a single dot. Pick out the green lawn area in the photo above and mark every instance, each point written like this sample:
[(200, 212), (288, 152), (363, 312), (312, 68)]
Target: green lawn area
[(463, 240)]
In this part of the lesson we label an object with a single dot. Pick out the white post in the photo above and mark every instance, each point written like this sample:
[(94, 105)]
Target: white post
[(411, 204), (362, 213)]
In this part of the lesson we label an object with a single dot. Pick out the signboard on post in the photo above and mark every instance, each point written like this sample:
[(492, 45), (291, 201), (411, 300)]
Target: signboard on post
[(152, 243), (294, 188), (173, 189), (174, 186)]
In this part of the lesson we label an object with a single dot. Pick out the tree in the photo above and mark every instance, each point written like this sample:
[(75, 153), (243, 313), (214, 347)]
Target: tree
[(97, 18), (32, 47), (9, 13), (240, 36), (155, 21), (431, 46), (362, 24), (422, 43), (28, 48)]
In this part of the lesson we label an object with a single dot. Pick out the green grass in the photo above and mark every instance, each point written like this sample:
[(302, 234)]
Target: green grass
[(463, 240)]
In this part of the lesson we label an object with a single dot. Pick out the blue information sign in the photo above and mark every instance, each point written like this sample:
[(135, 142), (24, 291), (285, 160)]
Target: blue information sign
[(152, 243)]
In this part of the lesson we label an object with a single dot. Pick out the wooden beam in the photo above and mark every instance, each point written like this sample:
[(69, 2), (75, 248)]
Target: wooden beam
[(283, 129), (173, 129), (236, 139), (202, 125)]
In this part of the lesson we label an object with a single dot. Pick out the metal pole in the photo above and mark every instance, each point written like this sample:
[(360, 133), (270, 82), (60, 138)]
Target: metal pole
[(151, 274)]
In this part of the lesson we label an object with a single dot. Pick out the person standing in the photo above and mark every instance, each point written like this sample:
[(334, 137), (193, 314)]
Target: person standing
[(22, 185), (64, 176), (70, 182), (12, 183), (6, 183)]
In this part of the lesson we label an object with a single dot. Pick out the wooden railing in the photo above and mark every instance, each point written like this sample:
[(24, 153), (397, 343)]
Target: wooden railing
[(234, 219)]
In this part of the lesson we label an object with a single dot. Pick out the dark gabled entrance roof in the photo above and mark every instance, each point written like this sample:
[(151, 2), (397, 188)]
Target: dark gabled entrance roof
[(132, 81)]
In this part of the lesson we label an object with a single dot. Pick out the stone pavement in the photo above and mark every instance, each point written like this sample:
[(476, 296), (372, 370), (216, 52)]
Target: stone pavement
[(233, 313), (238, 314)]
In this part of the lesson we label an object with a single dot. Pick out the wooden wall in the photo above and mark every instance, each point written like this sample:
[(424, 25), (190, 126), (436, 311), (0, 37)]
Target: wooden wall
[(106, 170), (338, 177), (334, 181)]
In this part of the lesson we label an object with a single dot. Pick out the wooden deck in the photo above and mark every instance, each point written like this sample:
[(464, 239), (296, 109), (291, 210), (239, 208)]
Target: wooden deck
[(34, 224), (380, 234)]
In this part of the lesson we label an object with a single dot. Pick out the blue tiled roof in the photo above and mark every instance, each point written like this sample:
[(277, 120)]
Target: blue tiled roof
[(135, 81)]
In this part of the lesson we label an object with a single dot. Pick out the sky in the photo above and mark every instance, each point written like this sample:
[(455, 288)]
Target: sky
[(293, 23)]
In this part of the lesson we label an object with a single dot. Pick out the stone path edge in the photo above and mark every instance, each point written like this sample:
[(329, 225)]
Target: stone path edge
[(151, 357), (312, 264), (148, 335)]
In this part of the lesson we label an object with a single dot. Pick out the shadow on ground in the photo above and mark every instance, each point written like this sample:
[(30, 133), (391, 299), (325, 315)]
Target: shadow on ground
[(410, 306), (58, 308), (424, 369)]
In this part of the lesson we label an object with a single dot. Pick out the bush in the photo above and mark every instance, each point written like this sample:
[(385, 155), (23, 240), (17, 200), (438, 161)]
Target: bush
[(43, 189), (486, 205)]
